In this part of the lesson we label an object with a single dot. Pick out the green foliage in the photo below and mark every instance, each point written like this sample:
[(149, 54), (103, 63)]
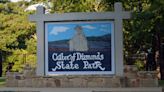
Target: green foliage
[(79, 6), (20, 57), (17, 35), (140, 33), (140, 64)]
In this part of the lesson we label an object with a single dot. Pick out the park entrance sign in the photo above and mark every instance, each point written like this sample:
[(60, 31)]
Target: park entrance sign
[(79, 47), (80, 43)]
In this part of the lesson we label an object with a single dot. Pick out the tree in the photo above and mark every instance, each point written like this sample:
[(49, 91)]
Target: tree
[(151, 21), (79, 6), (15, 33), (157, 9)]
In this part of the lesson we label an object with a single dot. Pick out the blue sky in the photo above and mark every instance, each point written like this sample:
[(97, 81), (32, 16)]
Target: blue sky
[(61, 31)]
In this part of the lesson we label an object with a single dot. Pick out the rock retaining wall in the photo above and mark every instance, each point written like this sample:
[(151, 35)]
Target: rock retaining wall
[(132, 78)]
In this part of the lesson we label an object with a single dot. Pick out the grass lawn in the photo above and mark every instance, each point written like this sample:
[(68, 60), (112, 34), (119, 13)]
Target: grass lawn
[(2, 81), (161, 82)]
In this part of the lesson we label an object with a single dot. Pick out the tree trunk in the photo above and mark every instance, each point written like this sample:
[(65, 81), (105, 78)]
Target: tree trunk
[(162, 61), (154, 49), (0, 63)]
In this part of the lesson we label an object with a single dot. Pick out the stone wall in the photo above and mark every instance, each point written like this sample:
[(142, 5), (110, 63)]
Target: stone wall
[(132, 78), (135, 78)]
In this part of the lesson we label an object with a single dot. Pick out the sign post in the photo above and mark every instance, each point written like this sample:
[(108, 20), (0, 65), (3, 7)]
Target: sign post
[(43, 22)]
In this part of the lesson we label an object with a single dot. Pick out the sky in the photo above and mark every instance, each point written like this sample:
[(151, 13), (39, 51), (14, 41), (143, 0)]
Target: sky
[(19, 0), (62, 31)]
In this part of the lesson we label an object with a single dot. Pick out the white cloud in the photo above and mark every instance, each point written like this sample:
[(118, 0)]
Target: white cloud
[(88, 27), (58, 29)]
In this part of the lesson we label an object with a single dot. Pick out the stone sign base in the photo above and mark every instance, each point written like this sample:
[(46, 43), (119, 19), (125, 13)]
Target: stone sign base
[(132, 78), (150, 89)]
